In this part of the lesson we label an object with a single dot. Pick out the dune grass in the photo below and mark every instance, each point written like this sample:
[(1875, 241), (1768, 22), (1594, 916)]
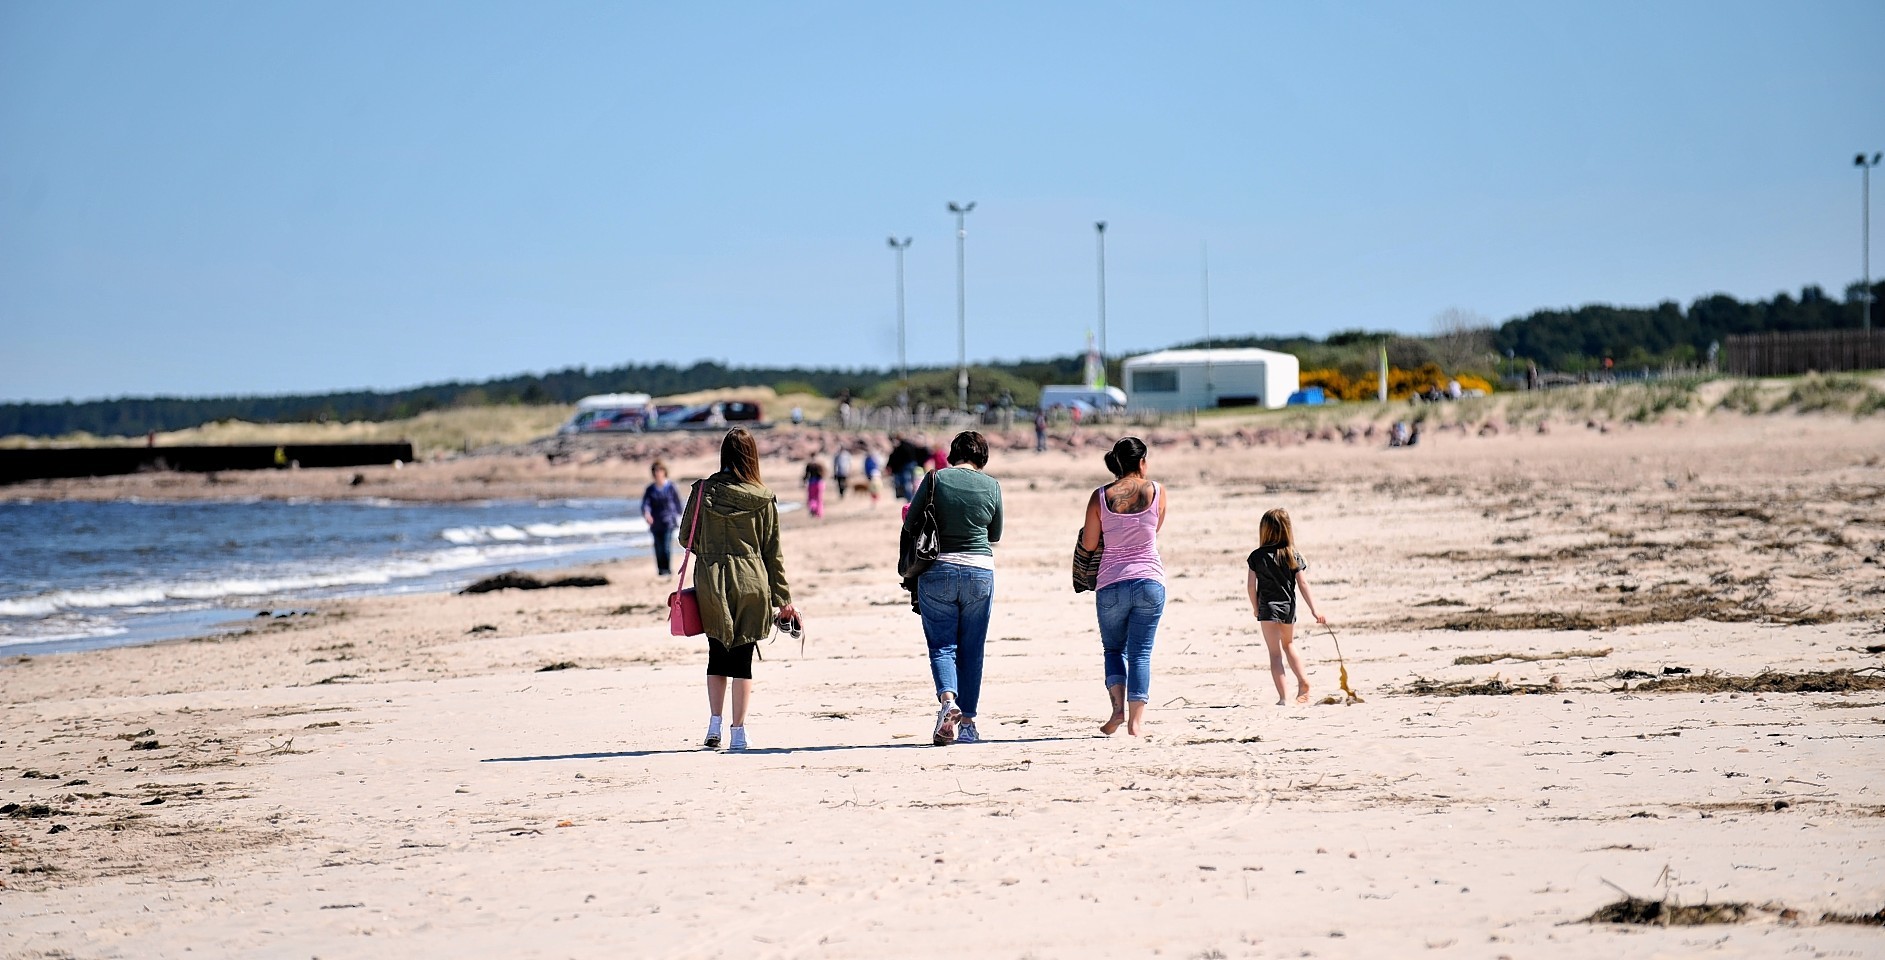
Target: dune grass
[(458, 429)]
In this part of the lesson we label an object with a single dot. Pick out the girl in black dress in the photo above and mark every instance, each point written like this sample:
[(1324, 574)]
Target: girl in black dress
[(1276, 572)]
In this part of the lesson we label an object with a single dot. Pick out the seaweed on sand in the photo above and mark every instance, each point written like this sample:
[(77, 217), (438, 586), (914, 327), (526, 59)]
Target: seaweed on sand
[(1663, 913), (1831, 681), (1494, 687), (1480, 659), (1694, 605), (1864, 919)]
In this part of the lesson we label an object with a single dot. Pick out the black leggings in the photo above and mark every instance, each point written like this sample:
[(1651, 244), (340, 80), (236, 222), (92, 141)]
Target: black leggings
[(736, 662)]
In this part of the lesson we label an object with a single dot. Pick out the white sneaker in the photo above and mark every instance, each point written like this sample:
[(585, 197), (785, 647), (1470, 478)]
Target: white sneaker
[(946, 719), (737, 740), (713, 733)]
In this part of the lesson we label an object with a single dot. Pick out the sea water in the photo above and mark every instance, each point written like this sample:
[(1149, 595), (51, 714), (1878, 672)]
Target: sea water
[(78, 575)]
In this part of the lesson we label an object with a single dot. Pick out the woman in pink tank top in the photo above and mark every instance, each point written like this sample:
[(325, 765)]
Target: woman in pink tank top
[(1130, 597)]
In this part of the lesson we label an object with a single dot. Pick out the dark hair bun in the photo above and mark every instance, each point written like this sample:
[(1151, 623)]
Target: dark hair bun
[(1126, 456)]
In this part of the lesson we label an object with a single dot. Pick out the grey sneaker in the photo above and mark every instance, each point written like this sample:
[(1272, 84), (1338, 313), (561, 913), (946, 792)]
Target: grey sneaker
[(965, 731)]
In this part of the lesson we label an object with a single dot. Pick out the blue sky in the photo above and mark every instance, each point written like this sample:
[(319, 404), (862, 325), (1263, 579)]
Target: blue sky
[(214, 198)]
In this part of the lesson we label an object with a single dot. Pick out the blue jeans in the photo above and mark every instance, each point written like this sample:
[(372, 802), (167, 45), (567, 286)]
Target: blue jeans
[(1129, 614), (954, 601), (664, 549)]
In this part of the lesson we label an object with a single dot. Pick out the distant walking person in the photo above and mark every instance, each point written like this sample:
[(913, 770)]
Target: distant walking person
[(1130, 594), (873, 475), (1040, 431), (841, 469), (1276, 572), (815, 488), (955, 594), (741, 578), (905, 458), (661, 510)]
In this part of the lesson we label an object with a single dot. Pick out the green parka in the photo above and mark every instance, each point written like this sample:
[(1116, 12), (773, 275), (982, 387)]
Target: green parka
[(738, 574)]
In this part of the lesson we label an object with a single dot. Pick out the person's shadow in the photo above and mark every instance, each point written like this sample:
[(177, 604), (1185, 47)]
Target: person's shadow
[(764, 751)]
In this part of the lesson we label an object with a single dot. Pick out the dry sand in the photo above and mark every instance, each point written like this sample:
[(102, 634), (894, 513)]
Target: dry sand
[(395, 777)]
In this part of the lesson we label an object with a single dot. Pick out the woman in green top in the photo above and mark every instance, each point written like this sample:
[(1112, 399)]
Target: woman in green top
[(954, 594), (740, 580)]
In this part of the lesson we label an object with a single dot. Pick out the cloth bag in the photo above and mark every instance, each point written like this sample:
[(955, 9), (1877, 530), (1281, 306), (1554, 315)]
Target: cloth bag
[(684, 603)]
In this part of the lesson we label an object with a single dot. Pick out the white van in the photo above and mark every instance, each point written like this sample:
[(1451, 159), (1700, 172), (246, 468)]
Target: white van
[(1088, 399), (609, 412)]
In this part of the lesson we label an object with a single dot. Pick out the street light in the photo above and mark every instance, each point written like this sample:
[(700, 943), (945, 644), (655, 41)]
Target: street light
[(1210, 384), (903, 359), (962, 335), (1865, 175), (1099, 228)]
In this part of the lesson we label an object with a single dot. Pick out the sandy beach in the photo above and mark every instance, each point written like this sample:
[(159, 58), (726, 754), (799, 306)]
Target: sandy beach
[(1549, 631)]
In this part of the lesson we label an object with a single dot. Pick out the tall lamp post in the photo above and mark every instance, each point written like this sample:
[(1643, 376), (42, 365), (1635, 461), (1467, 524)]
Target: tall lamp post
[(1099, 228), (1865, 175), (961, 210), (903, 358), (1210, 384)]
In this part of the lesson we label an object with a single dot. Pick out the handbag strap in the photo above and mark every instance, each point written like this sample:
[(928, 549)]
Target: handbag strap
[(700, 504), (935, 485)]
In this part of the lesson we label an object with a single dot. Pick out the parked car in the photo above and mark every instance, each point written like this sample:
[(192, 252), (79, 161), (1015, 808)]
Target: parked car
[(610, 412), (703, 416)]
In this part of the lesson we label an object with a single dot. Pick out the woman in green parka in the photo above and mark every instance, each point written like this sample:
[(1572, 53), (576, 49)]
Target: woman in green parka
[(739, 577)]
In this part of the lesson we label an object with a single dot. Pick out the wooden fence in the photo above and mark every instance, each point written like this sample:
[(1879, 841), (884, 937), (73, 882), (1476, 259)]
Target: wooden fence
[(1784, 354)]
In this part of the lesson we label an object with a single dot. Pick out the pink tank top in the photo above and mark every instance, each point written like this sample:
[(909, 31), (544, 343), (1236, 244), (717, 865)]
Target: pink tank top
[(1131, 542)]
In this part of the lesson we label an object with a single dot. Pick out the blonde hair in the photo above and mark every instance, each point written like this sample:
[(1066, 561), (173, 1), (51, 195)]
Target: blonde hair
[(1274, 530)]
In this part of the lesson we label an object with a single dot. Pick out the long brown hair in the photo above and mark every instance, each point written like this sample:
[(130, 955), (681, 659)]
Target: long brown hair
[(1274, 530), (739, 456)]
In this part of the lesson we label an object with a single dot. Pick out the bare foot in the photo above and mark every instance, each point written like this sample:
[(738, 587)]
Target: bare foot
[(1112, 725), (1134, 729), (1282, 703), (1302, 694)]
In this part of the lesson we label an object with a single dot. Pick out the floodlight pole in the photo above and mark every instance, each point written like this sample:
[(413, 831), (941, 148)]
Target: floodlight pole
[(961, 210), (1210, 385), (1099, 228), (903, 359), (1865, 215)]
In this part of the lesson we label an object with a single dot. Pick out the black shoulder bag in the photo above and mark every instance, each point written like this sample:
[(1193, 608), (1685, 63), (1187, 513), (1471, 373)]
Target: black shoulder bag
[(917, 550)]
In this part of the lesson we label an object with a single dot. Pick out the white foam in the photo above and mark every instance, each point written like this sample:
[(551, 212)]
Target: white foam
[(507, 533), (278, 582), (87, 631)]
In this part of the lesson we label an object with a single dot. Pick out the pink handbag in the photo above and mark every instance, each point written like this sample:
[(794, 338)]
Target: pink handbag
[(684, 604)]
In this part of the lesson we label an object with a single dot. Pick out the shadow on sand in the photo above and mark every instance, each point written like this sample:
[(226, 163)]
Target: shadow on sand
[(764, 751)]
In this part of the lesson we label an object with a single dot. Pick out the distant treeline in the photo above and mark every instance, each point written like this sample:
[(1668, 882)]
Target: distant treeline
[(1578, 339), (1571, 340)]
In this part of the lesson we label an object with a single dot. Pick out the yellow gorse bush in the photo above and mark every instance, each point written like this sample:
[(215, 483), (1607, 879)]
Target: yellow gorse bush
[(1402, 383)]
